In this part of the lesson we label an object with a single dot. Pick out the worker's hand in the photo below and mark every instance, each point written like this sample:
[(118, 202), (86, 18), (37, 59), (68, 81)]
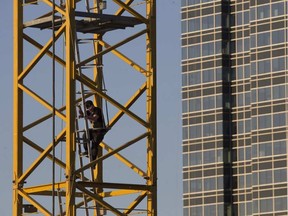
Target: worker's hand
[(81, 114)]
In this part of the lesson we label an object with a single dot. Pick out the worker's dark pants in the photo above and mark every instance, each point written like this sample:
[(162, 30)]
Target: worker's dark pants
[(96, 138)]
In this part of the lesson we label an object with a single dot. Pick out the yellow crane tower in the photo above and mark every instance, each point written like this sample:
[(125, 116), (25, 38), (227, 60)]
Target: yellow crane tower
[(63, 50)]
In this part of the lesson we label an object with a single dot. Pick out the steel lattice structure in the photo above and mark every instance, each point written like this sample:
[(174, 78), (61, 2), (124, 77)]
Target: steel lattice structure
[(46, 39)]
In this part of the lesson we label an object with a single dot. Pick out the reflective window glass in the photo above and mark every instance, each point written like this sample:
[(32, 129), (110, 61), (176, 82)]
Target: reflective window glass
[(209, 184), (191, 2), (266, 205), (193, 25), (279, 119), (278, 36), (196, 185), (196, 211), (194, 78), (184, 26), (264, 122), (278, 64), (195, 104), (209, 210), (277, 9), (278, 92), (265, 149), (209, 129), (280, 203), (195, 158), (207, 49), (209, 156), (209, 102), (265, 177), (264, 94), (194, 51), (207, 22), (185, 187), (208, 76), (185, 133), (280, 175), (184, 106), (263, 39), (264, 66), (279, 147), (263, 11), (195, 131), (185, 159)]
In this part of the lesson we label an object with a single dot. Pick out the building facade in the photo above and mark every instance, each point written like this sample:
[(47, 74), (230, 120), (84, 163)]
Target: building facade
[(234, 90)]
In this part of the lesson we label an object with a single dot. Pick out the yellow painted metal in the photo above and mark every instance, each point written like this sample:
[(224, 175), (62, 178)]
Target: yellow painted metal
[(92, 86), (42, 52), (70, 107), (17, 107), (125, 59), (41, 188), (151, 108), (41, 157), (124, 160), (40, 207), (71, 188)]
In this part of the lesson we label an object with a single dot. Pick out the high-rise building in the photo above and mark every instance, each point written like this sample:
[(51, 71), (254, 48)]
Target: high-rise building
[(234, 98)]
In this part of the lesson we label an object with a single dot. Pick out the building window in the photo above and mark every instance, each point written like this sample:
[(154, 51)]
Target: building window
[(194, 78), (279, 120), (264, 121), (196, 211), (278, 64), (191, 2), (196, 185), (265, 149), (207, 22), (278, 92), (279, 147), (209, 157), (209, 129), (195, 158), (280, 203), (193, 25), (266, 205), (280, 175), (185, 159), (265, 177), (263, 11), (208, 76), (210, 210), (209, 184), (185, 186), (209, 102), (194, 104), (195, 131), (278, 37), (263, 39), (208, 49), (277, 9), (264, 94), (194, 51)]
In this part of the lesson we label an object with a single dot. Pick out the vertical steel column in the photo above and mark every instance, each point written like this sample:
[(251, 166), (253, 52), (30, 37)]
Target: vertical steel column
[(70, 107), (151, 108), (17, 107)]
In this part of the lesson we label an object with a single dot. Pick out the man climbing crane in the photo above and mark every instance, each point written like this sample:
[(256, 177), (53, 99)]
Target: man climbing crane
[(97, 132)]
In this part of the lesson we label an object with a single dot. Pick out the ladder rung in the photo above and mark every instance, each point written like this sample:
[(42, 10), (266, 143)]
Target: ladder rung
[(91, 65), (86, 40)]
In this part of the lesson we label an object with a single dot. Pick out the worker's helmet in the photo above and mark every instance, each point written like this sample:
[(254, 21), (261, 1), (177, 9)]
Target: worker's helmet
[(88, 104)]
